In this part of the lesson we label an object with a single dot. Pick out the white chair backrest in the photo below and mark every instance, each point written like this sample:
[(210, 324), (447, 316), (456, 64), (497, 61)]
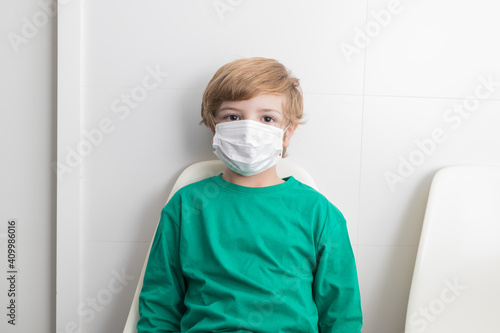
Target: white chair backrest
[(456, 281), (191, 174)]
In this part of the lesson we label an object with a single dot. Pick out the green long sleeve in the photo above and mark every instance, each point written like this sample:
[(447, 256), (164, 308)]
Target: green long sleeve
[(228, 258)]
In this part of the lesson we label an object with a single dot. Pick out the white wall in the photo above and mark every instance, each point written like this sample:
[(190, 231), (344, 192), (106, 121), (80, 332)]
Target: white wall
[(27, 149), (369, 112)]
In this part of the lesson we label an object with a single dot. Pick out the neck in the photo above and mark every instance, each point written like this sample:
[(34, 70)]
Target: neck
[(263, 179)]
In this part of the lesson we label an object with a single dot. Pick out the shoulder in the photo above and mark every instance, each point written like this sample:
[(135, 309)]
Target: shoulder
[(317, 212), (205, 186), (200, 190), (316, 199), (315, 209)]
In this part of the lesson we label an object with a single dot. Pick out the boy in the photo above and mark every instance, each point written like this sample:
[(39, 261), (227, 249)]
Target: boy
[(247, 251)]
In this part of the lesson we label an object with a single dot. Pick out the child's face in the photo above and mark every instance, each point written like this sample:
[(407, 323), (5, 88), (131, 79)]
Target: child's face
[(266, 109)]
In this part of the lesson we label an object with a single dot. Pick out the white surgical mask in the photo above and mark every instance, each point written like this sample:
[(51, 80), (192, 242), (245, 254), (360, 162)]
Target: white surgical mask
[(248, 147)]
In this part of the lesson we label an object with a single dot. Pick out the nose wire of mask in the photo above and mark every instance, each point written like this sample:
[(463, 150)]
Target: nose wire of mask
[(248, 147)]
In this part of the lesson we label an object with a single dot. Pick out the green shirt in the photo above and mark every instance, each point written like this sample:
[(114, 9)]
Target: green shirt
[(229, 258)]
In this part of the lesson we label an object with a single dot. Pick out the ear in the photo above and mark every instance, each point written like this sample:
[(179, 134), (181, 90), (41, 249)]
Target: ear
[(288, 135)]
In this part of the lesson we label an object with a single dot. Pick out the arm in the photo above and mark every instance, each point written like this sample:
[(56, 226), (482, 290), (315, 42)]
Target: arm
[(161, 300), (335, 286)]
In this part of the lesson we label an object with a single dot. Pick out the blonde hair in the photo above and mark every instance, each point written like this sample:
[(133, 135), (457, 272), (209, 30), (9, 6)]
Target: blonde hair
[(244, 79)]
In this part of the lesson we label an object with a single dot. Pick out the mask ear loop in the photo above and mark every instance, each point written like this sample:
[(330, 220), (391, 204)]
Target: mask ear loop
[(284, 133)]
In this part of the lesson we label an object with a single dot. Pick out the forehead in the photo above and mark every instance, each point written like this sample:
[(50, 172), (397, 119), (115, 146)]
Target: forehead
[(258, 103)]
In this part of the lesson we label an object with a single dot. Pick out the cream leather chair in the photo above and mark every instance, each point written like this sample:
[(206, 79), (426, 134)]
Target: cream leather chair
[(191, 174), (456, 282)]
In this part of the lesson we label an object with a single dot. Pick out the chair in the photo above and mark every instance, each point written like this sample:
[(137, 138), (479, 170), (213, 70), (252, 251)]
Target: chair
[(191, 174), (456, 281)]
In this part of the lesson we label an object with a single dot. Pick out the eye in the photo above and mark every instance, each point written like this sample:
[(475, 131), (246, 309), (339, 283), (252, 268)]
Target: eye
[(232, 117), (267, 119)]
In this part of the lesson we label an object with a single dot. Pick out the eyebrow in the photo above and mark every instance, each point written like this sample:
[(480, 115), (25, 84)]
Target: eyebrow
[(230, 108), (270, 109)]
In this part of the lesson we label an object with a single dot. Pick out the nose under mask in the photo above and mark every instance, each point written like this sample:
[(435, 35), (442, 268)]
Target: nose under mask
[(248, 147)]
